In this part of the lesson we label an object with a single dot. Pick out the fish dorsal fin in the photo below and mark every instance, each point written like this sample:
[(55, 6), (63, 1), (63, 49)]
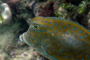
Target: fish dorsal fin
[(37, 18)]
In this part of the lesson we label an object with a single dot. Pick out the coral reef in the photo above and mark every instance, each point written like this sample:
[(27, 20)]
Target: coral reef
[(46, 11), (62, 13), (16, 16), (26, 55), (82, 7), (5, 13), (76, 12), (57, 4), (3, 55), (9, 34)]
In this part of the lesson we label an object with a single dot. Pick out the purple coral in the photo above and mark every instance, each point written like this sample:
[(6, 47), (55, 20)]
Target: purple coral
[(46, 11)]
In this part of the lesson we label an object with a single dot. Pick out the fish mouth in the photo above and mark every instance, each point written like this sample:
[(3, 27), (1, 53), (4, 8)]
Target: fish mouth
[(22, 38)]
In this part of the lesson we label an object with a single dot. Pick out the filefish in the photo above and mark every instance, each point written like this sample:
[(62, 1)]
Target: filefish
[(58, 39)]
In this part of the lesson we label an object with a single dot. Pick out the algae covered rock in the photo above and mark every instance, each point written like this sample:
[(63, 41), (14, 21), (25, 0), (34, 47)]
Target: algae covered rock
[(27, 55), (5, 13)]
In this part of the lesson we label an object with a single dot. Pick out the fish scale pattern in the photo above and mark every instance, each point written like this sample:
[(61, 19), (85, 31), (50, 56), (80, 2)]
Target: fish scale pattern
[(58, 39)]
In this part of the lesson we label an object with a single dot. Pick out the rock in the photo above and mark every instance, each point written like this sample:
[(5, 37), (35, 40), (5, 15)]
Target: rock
[(57, 4), (3, 55), (45, 10), (6, 13), (27, 55)]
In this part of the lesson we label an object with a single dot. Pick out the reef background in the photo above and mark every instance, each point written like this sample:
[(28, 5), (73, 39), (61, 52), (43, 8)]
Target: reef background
[(22, 13)]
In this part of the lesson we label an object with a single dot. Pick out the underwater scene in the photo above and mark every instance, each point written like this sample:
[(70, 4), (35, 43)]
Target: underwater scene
[(44, 29)]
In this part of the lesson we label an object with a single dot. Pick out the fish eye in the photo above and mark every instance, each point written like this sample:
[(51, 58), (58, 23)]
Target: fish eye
[(36, 26)]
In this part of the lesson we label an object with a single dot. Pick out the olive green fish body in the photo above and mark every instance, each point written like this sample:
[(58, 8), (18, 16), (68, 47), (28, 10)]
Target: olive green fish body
[(58, 39)]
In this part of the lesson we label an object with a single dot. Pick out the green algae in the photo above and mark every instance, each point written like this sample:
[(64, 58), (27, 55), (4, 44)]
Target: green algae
[(73, 9), (1, 19), (82, 7)]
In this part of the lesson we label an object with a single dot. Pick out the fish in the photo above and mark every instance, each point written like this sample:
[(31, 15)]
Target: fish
[(58, 39)]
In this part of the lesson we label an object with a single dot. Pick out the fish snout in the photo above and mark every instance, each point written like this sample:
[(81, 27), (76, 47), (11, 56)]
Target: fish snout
[(23, 38)]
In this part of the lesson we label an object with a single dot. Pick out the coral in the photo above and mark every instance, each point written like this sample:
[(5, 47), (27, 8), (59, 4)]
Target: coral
[(67, 6), (73, 11), (57, 4), (82, 7), (14, 5), (6, 14), (31, 5), (3, 55), (62, 13), (46, 10), (26, 55), (9, 33), (21, 11)]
